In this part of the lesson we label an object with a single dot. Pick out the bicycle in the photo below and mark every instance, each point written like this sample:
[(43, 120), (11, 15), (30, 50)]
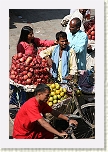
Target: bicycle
[(70, 132), (84, 114)]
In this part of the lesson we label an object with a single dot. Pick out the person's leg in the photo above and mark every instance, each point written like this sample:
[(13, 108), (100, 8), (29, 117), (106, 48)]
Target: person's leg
[(42, 133)]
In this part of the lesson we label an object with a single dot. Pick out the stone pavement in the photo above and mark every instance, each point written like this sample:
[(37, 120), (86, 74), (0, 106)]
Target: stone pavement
[(45, 23)]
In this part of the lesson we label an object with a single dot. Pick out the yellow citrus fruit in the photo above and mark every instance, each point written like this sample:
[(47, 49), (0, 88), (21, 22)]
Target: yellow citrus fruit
[(48, 84), (55, 101), (59, 100), (64, 90), (58, 87), (62, 94), (56, 83), (78, 92), (58, 96), (52, 93), (52, 86), (50, 99), (61, 89), (62, 98), (57, 91), (55, 97), (50, 104), (54, 89), (65, 96)]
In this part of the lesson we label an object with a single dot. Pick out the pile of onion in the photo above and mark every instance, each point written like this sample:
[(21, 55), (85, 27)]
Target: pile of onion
[(29, 69)]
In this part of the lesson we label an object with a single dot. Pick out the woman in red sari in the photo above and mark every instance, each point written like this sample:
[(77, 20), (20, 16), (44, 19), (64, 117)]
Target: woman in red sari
[(28, 44)]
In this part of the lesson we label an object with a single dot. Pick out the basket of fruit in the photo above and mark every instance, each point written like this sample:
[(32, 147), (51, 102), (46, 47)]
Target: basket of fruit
[(27, 71), (59, 100)]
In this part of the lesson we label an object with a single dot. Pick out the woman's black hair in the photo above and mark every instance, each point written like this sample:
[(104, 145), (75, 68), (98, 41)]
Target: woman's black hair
[(60, 34), (25, 31), (41, 88)]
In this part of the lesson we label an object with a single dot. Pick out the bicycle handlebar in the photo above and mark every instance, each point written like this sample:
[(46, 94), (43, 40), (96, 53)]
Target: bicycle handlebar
[(69, 131)]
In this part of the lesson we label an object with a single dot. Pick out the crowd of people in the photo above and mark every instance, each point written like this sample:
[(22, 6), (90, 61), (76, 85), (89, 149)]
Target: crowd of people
[(65, 55)]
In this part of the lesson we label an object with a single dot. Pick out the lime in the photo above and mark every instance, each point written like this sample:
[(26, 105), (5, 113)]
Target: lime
[(50, 104)]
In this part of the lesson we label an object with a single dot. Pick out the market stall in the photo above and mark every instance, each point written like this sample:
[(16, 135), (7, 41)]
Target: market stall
[(26, 72)]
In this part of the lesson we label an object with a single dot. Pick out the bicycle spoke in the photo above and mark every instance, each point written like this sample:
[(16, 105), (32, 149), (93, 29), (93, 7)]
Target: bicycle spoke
[(83, 130)]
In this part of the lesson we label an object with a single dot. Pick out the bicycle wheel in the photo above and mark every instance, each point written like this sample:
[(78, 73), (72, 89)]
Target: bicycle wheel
[(86, 124)]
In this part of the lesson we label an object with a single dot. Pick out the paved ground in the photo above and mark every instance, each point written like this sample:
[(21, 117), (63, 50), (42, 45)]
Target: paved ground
[(46, 23)]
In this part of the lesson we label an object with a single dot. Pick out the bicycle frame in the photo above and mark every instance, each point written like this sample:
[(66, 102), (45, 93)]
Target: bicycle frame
[(74, 86)]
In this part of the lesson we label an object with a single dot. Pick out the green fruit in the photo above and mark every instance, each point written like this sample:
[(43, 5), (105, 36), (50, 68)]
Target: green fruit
[(52, 93), (54, 90), (50, 99), (62, 94), (62, 98), (55, 101), (64, 90), (50, 104), (65, 96), (78, 92), (55, 97), (61, 89), (57, 87), (58, 96)]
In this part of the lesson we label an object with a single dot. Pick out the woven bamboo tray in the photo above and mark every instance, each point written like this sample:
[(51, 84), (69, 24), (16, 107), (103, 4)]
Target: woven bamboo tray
[(66, 106)]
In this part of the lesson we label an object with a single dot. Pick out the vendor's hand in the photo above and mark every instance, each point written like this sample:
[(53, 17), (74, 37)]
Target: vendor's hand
[(69, 77), (50, 61), (63, 134), (71, 121)]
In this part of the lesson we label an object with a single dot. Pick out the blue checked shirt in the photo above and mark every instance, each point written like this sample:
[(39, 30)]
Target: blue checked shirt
[(79, 43)]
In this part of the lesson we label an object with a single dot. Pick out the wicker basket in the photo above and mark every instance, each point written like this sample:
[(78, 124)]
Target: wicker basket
[(66, 106)]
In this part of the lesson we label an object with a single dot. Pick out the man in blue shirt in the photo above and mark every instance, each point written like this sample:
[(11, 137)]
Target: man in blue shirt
[(78, 40)]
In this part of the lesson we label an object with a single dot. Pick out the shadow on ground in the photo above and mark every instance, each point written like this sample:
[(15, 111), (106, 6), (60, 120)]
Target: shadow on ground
[(35, 15)]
